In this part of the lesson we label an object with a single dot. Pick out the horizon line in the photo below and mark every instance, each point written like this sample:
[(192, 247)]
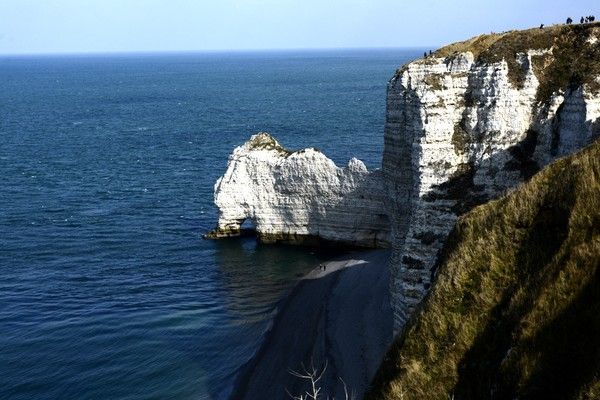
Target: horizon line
[(210, 51)]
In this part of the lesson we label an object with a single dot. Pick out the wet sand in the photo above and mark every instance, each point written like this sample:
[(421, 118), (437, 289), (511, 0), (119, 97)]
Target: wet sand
[(339, 316)]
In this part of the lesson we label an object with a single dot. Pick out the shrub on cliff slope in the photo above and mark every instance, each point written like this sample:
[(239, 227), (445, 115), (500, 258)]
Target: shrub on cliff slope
[(515, 308)]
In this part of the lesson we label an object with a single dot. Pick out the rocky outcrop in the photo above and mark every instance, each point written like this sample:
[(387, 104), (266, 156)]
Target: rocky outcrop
[(300, 197), (471, 121), (463, 126)]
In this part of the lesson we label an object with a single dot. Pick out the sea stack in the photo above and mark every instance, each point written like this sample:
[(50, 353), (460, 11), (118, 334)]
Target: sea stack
[(300, 197), (463, 126)]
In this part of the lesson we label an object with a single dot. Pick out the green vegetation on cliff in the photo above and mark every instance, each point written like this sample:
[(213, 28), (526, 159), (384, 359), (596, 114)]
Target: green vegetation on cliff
[(264, 141), (515, 308), (574, 60)]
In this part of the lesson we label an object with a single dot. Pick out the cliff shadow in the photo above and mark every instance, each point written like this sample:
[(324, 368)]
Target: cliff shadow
[(562, 356), (483, 369), (320, 324), (358, 219)]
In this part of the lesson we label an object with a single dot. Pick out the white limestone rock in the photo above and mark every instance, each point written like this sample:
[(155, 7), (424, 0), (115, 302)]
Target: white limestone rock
[(300, 197), (458, 133)]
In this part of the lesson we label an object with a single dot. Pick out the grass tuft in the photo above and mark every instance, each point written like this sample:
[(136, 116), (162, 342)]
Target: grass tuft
[(264, 141)]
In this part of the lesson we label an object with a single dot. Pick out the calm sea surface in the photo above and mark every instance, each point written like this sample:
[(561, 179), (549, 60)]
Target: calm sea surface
[(107, 165)]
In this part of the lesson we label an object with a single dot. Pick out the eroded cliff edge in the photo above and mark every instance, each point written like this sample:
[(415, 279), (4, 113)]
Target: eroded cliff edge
[(300, 197), (471, 121), (462, 127)]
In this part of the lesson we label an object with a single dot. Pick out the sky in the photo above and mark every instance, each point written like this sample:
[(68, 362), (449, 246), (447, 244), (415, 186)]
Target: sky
[(99, 26)]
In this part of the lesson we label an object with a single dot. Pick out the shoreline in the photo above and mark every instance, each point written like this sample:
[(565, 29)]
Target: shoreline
[(339, 316)]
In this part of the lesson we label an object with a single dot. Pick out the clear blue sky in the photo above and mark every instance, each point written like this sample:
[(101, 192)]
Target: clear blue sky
[(84, 26)]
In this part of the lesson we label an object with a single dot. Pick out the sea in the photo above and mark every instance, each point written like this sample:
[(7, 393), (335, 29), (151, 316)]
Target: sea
[(107, 168)]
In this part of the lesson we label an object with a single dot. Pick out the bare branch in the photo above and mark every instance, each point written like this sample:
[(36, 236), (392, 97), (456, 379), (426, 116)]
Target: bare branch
[(322, 372), (345, 388), (313, 375), (299, 375)]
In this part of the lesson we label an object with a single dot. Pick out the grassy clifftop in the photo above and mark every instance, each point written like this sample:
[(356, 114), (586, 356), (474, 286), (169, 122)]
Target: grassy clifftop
[(515, 308), (574, 59), (495, 46)]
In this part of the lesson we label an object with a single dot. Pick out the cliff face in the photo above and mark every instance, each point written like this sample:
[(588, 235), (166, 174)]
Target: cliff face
[(513, 312), (471, 121), (463, 126), (300, 197)]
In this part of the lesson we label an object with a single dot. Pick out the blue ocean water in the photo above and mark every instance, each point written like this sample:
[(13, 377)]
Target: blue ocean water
[(107, 165)]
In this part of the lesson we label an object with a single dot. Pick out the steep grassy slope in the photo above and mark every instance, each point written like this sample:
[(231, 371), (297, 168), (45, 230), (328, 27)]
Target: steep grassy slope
[(515, 308)]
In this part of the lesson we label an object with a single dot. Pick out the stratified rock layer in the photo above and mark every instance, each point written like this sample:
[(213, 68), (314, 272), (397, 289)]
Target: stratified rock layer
[(461, 129), (300, 197)]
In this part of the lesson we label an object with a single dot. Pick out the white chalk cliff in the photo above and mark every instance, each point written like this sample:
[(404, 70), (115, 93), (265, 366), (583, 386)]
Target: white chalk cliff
[(300, 197), (462, 129), (462, 126)]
